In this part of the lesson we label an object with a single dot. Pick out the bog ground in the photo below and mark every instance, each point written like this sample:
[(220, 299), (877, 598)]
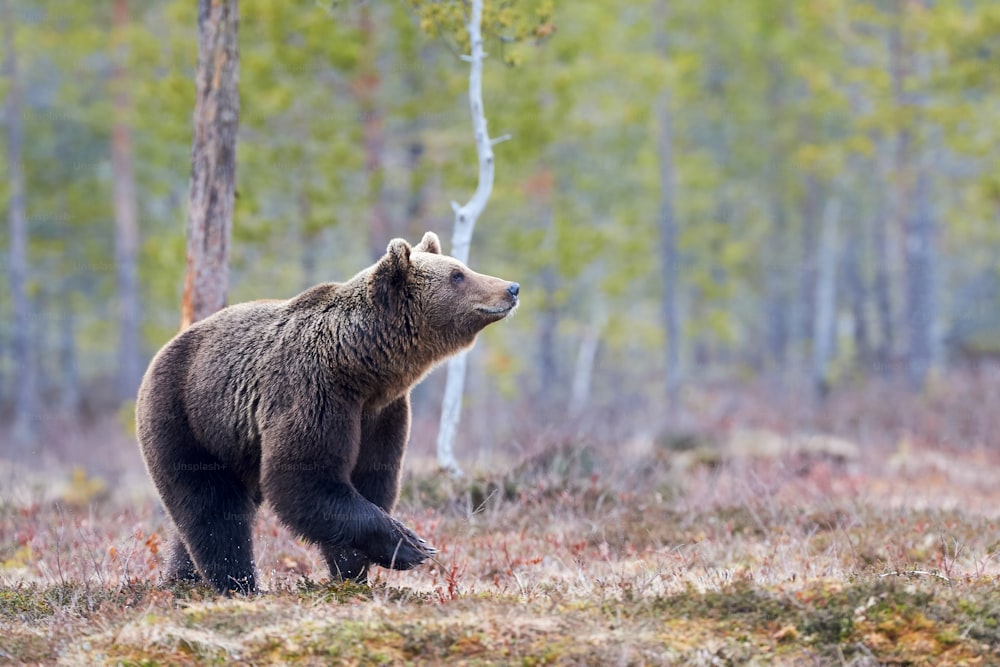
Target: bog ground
[(741, 546)]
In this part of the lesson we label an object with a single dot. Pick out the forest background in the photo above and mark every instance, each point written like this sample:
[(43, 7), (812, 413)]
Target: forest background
[(700, 199)]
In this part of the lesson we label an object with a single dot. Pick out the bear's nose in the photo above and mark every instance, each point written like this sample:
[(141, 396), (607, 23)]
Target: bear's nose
[(513, 289)]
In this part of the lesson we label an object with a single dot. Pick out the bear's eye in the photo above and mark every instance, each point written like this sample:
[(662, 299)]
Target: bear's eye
[(457, 277)]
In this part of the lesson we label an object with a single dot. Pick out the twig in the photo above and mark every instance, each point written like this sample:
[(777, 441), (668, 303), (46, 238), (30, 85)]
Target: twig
[(914, 573), (126, 581)]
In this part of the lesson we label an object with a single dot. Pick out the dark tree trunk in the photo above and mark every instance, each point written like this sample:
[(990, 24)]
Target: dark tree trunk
[(213, 161), (26, 392), (126, 218)]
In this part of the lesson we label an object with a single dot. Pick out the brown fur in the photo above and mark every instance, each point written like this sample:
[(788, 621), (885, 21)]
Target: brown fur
[(305, 403)]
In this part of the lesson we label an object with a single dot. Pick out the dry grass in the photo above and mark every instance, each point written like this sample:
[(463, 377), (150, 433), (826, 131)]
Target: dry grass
[(666, 551)]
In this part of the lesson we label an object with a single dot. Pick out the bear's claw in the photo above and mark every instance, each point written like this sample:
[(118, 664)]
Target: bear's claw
[(406, 550)]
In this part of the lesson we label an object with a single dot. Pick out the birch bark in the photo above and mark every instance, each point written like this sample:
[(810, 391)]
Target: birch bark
[(461, 239)]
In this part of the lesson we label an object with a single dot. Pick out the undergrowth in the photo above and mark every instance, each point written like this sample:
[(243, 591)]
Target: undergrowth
[(571, 557)]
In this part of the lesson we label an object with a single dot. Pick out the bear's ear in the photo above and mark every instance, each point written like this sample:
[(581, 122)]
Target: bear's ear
[(390, 273), (430, 243)]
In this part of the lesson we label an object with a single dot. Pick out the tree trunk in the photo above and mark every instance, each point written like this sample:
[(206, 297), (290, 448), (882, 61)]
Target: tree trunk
[(461, 239), (542, 188), (825, 299), (548, 365), (668, 221), (921, 301), (418, 69), (69, 382), (126, 217), (857, 294), (366, 86), (213, 161), (309, 237), (26, 396), (883, 291), (777, 308), (913, 208), (902, 177), (416, 198), (778, 305), (586, 356), (805, 307)]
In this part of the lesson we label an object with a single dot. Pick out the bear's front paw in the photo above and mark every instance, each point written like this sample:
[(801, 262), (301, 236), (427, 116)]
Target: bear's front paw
[(404, 551)]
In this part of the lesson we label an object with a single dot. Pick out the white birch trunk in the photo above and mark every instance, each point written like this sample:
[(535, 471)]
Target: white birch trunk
[(461, 239)]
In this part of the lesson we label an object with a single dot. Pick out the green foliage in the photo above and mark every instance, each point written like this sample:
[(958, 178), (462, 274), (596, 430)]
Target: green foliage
[(509, 23), (775, 106)]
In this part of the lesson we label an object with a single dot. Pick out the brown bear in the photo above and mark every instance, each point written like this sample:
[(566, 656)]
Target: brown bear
[(304, 403)]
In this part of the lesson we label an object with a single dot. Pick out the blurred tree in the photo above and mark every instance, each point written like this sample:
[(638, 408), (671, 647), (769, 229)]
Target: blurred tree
[(213, 161), (25, 374), (372, 116), (668, 256), (909, 71), (825, 298), (126, 214)]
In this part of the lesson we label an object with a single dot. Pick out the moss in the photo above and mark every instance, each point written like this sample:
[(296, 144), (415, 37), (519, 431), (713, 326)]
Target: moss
[(190, 591), (828, 625), (24, 602), (343, 641), (339, 592), (980, 616), (427, 642), (30, 602), (739, 602)]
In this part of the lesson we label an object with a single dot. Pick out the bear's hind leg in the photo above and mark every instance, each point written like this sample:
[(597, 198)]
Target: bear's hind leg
[(180, 567)]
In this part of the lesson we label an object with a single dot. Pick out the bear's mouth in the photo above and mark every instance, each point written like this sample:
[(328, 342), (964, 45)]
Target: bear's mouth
[(496, 311)]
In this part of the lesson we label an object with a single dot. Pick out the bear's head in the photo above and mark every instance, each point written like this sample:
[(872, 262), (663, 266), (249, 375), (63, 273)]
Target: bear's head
[(443, 299)]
